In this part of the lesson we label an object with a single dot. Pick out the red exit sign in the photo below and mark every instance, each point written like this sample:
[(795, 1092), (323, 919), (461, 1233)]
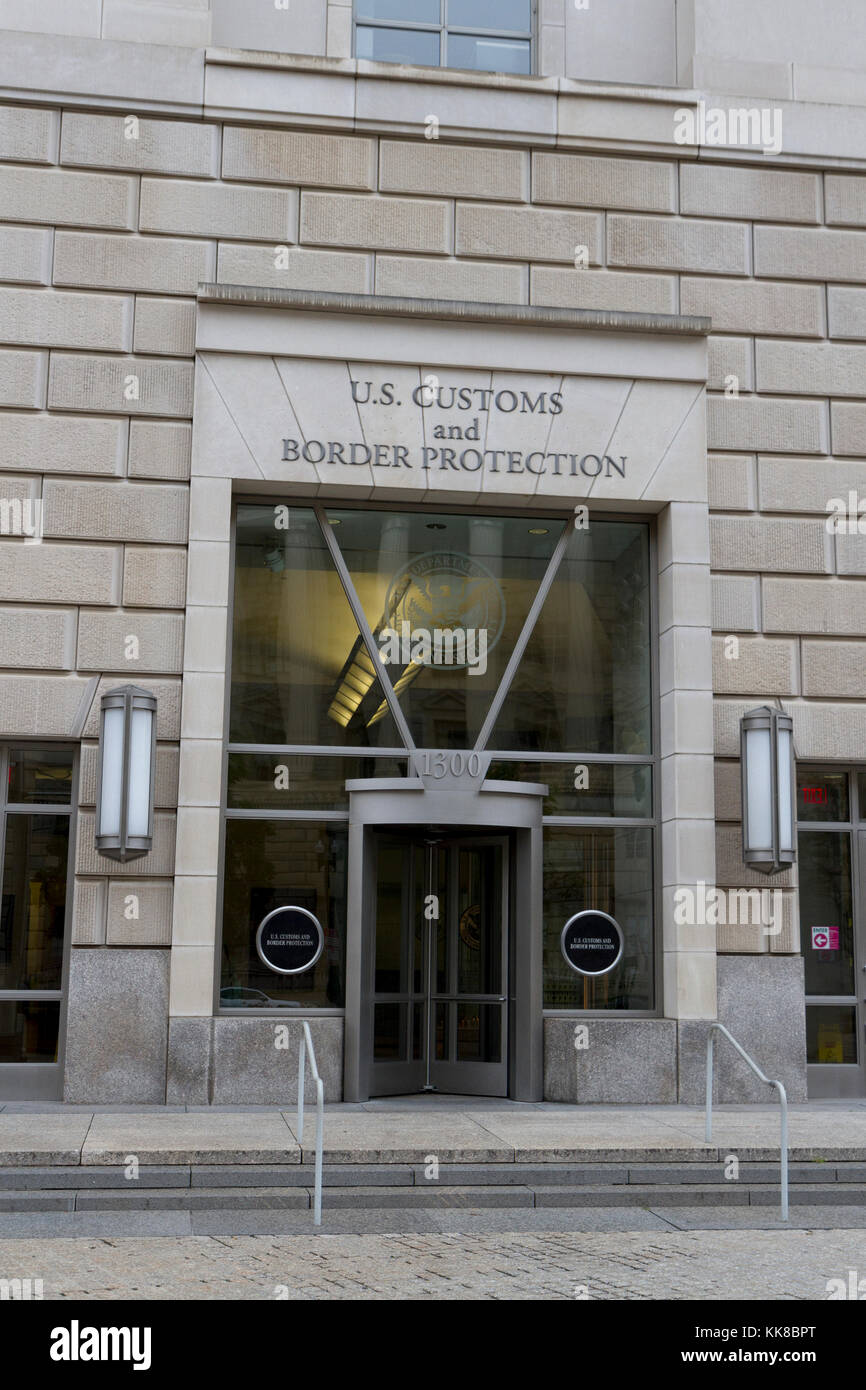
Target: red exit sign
[(815, 796)]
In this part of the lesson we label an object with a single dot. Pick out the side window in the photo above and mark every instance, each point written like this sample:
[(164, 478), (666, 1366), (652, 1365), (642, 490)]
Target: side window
[(481, 35), (35, 812)]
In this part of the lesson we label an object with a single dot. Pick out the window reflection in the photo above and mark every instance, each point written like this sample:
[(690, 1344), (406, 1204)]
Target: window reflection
[(584, 681), (612, 871), (281, 863)]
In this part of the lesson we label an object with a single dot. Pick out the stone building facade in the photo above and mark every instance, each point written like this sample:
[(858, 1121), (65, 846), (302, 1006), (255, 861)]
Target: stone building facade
[(212, 221)]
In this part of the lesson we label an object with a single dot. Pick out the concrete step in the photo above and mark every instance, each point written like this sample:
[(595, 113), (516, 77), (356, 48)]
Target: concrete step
[(478, 1175), (432, 1195)]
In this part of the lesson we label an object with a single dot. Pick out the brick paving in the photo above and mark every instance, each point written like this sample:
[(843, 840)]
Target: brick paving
[(775, 1265)]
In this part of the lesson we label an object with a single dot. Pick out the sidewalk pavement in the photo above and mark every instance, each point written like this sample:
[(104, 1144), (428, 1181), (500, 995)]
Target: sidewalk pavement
[(413, 1129)]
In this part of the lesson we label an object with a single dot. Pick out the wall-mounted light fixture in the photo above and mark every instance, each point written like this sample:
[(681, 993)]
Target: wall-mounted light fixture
[(768, 787), (127, 759)]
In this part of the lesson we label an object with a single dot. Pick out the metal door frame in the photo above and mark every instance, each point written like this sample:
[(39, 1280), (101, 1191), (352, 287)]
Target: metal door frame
[(468, 1072), (510, 807)]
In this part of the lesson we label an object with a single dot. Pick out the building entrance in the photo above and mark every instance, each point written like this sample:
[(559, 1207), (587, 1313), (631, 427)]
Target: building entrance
[(439, 995)]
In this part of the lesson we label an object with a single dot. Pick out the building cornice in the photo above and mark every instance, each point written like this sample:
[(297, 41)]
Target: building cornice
[(527, 316), (353, 95)]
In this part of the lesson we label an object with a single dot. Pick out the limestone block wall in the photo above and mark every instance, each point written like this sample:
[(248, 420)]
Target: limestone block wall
[(103, 241)]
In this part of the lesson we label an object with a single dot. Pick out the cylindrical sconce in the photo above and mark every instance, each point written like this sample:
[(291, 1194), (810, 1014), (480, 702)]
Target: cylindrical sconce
[(127, 761), (768, 787)]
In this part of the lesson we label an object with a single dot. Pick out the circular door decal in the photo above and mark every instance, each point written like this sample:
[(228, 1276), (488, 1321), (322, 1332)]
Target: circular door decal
[(591, 943), (290, 940)]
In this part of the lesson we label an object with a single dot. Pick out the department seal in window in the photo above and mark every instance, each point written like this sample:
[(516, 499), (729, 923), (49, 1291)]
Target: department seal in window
[(591, 942), (443, 609), (290, 940)]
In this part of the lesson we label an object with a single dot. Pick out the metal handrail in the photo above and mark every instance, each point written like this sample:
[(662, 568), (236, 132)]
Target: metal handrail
[(307, 1046), (783, 1101)]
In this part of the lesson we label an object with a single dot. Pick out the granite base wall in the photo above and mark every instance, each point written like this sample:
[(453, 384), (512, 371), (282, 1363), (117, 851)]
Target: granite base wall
[(249, 1061), (663, 1061), (117, 1029)]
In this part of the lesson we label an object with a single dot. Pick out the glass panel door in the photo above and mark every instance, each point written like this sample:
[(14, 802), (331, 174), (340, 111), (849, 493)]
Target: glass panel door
[(439, 968), (471, 1006)]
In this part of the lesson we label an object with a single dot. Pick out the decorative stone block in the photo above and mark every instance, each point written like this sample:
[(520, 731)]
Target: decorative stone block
[(159, 147), (48, 573), (159, 450), (767, 426), (161, 265), (139, 913), (29, 134), (810, 369), (154, 577), (115, 511), (736, 604), (62, 444), (38, 638), (51, 318), (802, 253), (120, 385), (298, 157), (416, 277), (768, 195), (833, 607), (454, 171), (164, 326), (585, 181), (294, 268), (63, 198), (386, 224), (756, 306), (186, 208), (130, 643), (25, 255), (526, 234), (601, 289), (760, 667), (23, 379), (664, 243), (43, 706), (765, 544), (88, 913)]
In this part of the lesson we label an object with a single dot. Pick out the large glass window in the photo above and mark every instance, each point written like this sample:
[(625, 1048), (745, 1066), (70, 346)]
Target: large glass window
[(35, 808), (367, 640), (283, 863), (484, 35), (831, 811)]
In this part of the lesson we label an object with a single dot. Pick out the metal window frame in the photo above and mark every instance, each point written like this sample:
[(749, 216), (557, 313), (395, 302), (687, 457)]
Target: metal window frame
[(852, 829), (443, 29), (652, 759), (43, 1078)]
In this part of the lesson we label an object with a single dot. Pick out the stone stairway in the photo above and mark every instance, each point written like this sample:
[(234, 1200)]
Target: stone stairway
[(369, 1186)]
